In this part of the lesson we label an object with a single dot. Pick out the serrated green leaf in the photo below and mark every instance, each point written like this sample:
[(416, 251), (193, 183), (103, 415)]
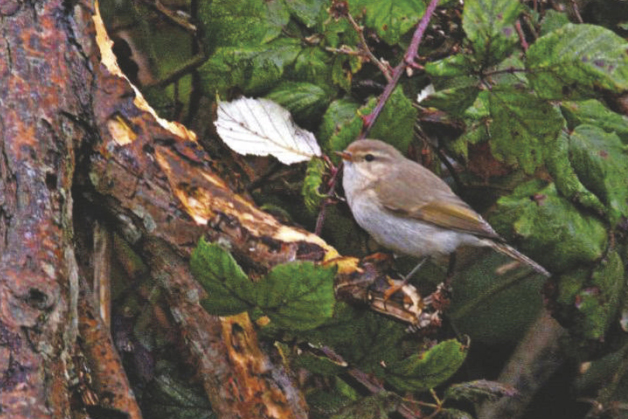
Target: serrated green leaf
[(389, 18), (305, 101), (489, 25), (395, 123), (376, 406), (552, 21), (313, 65), (599, 301), (253, 69), (601, 164), (566, 178), (298, 295), (339, 113), (348, 131), (307, 11), (593, 112), (479, 390), (454, 101), (426, 370), (523, 128), (312, 184), (454, 66), (229, 289), (242, 23), (552, 230), (577, 61)]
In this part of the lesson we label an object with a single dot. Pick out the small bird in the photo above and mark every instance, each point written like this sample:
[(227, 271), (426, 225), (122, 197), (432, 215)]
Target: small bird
[(411, 211)]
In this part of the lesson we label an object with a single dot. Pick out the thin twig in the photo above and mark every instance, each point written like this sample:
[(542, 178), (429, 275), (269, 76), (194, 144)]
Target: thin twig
[(522, 37), (366, 50), (408, 61), (181, 72), (320, 220)]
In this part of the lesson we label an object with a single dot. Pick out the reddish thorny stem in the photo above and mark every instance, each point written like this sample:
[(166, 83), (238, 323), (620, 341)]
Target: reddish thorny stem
[(408, 61)]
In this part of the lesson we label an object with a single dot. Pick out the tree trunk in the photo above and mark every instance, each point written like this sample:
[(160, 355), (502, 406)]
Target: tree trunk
[(73, 129)]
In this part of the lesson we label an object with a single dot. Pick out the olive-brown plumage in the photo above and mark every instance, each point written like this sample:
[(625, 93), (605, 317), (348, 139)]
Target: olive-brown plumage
[(408, 209)]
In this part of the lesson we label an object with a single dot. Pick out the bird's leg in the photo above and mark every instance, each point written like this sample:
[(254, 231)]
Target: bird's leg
[(393, 289), (450, 268)]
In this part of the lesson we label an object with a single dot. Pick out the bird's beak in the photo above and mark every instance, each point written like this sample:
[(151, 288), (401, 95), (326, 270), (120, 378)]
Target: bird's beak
[(345, 155)]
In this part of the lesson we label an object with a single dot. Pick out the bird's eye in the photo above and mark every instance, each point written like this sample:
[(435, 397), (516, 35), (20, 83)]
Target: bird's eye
[(369, 157)]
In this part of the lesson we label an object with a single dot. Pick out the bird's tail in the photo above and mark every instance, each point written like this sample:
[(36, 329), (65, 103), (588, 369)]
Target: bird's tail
[(518, 256)]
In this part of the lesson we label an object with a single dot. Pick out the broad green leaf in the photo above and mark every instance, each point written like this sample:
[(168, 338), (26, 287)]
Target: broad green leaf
[(599, 301), (389, 18), (479, 390), (307, 11), (601, 164), (564, 174), (242, 23), (340, 113), (428, 369), (348, 130), (170, 395), (455, 66), (523, 128), (229, 289), (593, 112), (454, 101), (395, 124), (552, 21), (489, 25), (311, 191), (313, 65), (297, 295), (377, 406), (254, 69), (305, 101), (577, 61), (552, 230), (588, 304)]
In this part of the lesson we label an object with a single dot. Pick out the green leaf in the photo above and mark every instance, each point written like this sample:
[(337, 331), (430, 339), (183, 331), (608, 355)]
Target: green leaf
[(428, 369), (489, 25), (599, 301), (552, 230), (479, 390), (454, 66), (307, 11), (395, 123), (523, 128), (588, 304), (313, 65), (229, 289), (297, 295), (349, 130), (253, 69), (601, 164), (454, 101), (377, 406), (593, 112), (240, 23), (564, 174), (339, 114), (389, 18), (305, 101), (577, 61), (552, 21), (312, 184)]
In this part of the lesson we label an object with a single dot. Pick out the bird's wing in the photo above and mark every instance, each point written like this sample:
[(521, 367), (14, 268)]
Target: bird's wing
[(433, 203)]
